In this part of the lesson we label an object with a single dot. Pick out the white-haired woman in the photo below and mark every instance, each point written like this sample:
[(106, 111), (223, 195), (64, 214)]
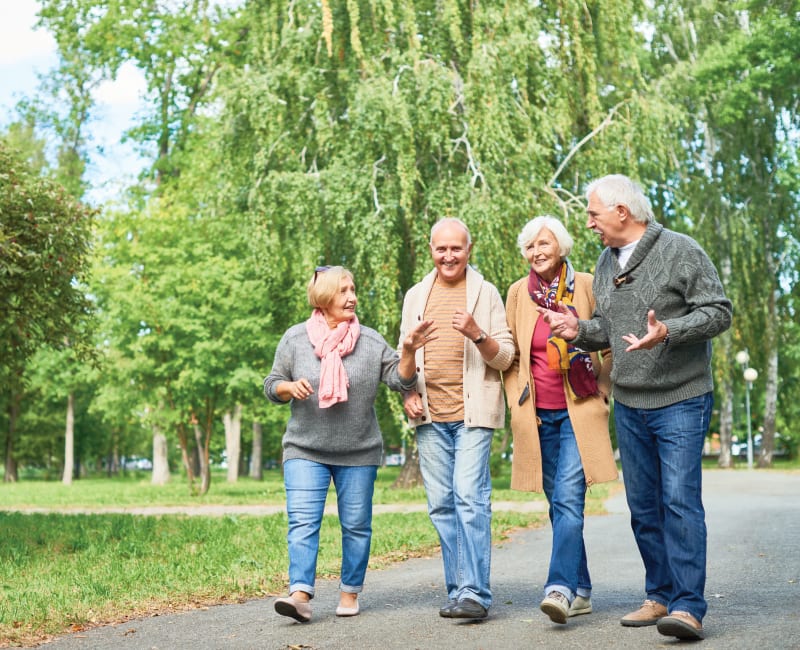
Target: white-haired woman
[(559, 409), (329, 368)]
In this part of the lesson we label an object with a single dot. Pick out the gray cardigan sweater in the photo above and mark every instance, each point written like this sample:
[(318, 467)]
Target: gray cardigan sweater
[(669, 273), (347, 433)]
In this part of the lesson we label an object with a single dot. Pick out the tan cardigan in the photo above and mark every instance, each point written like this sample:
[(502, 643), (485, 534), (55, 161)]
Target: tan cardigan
[(484, 405), (589, 416)]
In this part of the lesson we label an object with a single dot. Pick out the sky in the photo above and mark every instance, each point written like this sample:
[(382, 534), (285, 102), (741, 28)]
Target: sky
[(26, 53)]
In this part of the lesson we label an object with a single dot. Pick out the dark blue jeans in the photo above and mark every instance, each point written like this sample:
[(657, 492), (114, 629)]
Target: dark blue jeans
[(565, 488), (661, 451)]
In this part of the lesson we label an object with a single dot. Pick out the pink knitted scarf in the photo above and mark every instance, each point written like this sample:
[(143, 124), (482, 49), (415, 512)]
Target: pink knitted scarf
[(330, 345)]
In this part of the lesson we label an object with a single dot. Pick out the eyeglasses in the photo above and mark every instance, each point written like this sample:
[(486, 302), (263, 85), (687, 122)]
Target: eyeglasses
[(318, 270)]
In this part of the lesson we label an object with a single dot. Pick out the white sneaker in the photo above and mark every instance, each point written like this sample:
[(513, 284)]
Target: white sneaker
[(580, 606), (556, 606)]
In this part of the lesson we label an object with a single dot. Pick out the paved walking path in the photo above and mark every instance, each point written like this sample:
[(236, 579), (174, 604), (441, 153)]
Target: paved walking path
[(753, 591)]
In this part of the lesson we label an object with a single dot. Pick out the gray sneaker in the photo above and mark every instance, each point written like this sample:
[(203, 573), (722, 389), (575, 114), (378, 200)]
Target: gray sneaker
[(580, 606), (556, 606)]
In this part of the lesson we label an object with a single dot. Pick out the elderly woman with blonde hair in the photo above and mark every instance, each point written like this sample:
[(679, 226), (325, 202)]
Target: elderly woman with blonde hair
[(329, 368), (558, 397)]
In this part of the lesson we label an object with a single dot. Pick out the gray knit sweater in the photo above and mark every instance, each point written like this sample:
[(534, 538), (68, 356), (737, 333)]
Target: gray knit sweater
[(347, 433), (669, 273)]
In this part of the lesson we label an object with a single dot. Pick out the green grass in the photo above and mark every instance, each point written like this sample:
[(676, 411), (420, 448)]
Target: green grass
[(67, 572), (135, 490), (61, 572)]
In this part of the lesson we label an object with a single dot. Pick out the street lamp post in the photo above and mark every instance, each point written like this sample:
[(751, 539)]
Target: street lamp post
[(750, 375)]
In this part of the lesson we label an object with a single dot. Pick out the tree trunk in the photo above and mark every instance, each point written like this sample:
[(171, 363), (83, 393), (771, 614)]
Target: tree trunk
[(770, 388), (69, 441), (233, 441), (725, 350), (726, 425), (10, 475), (256, 456), (410, 476), (160, 458), (113, 460), (205, 468)]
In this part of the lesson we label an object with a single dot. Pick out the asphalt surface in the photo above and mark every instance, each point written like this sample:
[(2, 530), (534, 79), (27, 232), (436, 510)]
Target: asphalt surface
[(753, 590)]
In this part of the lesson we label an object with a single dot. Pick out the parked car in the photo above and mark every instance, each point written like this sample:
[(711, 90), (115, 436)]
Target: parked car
[(134, 462)]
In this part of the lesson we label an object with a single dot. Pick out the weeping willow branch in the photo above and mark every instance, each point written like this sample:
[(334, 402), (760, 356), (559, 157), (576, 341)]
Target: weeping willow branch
[(375, 170), (550, 189), (471, 162)]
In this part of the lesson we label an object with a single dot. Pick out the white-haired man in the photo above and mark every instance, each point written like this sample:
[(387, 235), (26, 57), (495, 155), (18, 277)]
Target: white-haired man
[(659, 302)]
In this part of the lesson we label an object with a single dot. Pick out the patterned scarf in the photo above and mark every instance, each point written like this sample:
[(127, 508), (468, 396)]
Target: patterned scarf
[(330, 345), (562, 356)]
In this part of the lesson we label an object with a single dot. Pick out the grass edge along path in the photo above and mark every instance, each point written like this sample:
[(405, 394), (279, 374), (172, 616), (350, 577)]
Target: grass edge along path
[(67, 573), (62, 573)]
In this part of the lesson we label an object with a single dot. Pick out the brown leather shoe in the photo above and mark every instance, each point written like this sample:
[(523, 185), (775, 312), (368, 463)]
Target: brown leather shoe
[(682, 625), (648, 614)]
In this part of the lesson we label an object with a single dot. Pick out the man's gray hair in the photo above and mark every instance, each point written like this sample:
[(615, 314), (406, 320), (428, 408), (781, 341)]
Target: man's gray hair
[(532, 229), (454, 220), (617, 189)]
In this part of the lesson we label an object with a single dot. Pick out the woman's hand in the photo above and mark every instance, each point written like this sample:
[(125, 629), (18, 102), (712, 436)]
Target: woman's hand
[(416, 338), (563, 323), (419, 336), (300, 389)]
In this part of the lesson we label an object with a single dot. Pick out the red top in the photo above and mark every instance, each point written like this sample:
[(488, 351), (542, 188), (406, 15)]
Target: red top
[(549, 383)]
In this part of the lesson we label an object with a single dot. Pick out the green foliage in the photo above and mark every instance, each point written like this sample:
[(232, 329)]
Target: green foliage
[(45, 239), (368, 146), (291, 133)]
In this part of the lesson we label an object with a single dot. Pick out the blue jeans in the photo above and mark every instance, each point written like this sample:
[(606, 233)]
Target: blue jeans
[(661, 451), (454, 461), (565, 488), (307, 485)]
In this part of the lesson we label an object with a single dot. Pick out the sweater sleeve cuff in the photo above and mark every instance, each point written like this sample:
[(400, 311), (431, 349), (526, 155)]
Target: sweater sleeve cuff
[(408, 384)]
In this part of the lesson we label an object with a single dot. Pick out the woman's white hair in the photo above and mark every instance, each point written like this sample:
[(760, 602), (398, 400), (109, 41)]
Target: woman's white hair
[(617, 189), (532, 229)]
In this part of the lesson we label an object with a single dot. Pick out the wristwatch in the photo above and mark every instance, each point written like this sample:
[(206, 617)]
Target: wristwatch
[(483, 336)]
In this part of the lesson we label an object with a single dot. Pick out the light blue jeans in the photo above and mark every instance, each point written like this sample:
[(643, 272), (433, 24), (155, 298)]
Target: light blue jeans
[(306, 484), (454, 461), (565, 488), (661, 451)]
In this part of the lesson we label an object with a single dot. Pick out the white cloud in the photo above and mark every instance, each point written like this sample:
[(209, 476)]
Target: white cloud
[(127, 90), (19, 41)]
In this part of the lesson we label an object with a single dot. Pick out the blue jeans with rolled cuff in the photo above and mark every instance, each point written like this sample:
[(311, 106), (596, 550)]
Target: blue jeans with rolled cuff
[(306, 484)]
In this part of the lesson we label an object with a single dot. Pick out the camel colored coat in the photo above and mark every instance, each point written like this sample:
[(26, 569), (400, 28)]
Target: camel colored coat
[(589, 415)]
